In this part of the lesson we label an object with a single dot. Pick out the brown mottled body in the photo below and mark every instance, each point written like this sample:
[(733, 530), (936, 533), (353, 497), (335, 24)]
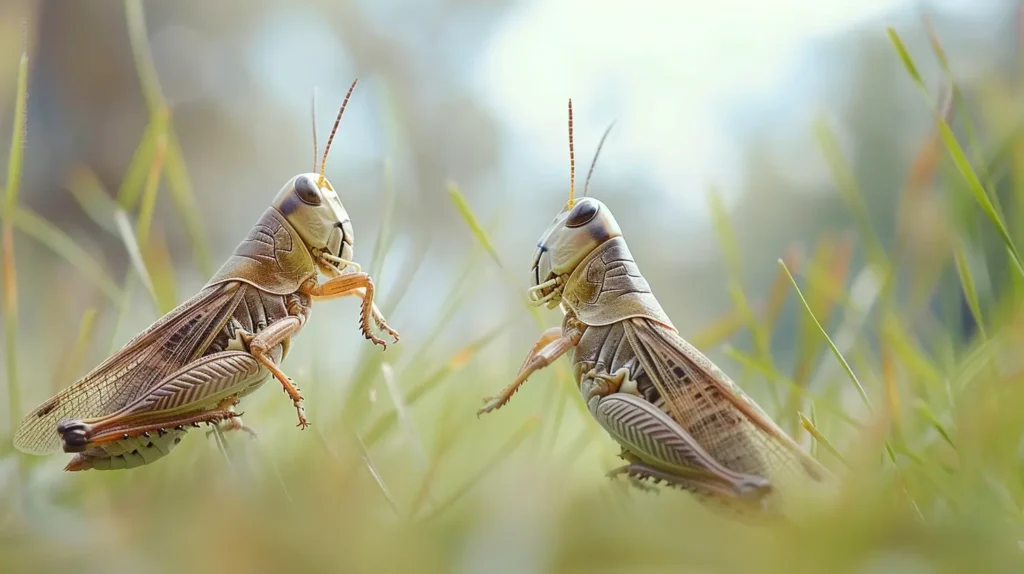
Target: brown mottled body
[(678, 418), (609, 303), (194, 364)]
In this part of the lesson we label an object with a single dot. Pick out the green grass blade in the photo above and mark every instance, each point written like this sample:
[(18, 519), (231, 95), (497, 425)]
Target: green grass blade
[(10, 273), (178, 181), (92, 197), (152, 187), (959, 157), (956, 102), (848, 189), (925, 411), (474, 224), (134, 177), (963, 269), (730, 251), (384, 236), (52, 237), (835, 350), (131, 245), (820, 439), (774, 375)]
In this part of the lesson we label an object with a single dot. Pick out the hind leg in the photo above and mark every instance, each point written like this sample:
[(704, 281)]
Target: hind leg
[(202, 391)]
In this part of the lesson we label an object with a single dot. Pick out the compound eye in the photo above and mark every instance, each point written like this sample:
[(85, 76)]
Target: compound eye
[(581, 214), (307, 191)]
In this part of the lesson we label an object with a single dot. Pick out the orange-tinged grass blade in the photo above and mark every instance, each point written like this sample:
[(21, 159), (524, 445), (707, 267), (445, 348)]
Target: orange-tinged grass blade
[(892, 392)]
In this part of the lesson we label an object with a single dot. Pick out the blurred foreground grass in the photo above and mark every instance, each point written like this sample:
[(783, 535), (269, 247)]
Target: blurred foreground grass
[(919, 413)]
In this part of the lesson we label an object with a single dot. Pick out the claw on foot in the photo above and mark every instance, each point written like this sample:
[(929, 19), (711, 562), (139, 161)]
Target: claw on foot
[(491, 404), (303, 422)]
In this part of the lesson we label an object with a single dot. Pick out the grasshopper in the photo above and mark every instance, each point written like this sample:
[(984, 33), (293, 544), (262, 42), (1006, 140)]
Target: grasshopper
[(195, 363), (678, 418)]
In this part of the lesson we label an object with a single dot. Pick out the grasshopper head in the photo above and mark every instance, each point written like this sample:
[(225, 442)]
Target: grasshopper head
[(574, 234), (582, 226), (311, 206)]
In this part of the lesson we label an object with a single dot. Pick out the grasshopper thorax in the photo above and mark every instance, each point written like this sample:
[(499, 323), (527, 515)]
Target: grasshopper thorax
[(310, 204), (574, 234)]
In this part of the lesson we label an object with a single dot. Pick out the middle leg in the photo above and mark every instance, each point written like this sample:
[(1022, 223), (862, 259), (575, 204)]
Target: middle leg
[(260, 345)]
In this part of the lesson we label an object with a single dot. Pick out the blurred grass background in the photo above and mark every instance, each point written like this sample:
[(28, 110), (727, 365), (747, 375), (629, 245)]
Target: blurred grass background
[(141, 151)]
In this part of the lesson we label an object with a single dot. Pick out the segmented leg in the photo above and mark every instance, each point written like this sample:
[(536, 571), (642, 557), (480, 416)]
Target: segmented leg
[(278, 333), (333, 271), (233, 424), (552, 345), (355, 284), (73, 430)]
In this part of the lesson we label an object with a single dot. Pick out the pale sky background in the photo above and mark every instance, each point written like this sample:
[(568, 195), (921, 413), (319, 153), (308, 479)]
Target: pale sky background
[(672, 77)]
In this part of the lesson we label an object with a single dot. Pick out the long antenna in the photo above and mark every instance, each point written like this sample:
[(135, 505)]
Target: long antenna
[(316, 149), (586, 186), (572, 164), (323, 163)]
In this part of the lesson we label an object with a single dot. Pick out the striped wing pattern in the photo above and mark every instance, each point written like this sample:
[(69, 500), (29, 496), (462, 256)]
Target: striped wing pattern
[(173, 341), (673, 364)]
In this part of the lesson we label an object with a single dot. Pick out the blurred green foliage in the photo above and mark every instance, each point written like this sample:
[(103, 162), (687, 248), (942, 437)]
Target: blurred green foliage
[(905, 379)]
